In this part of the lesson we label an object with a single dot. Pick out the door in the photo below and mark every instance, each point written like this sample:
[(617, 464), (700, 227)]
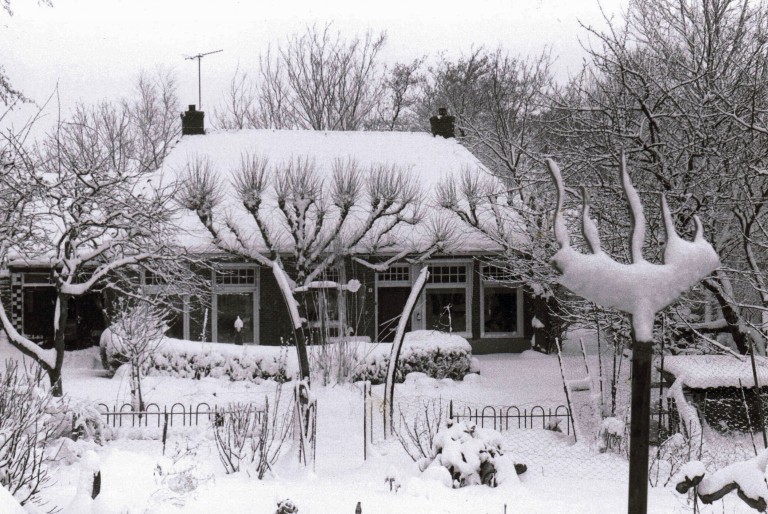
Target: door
[(391, 303), (230, 306)]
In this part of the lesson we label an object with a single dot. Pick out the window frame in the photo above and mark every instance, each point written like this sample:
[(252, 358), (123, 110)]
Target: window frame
[(421, 309)]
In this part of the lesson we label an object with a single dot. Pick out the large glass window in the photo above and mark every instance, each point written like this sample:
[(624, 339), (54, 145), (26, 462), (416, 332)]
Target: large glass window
[(446, 298), (501, 313)]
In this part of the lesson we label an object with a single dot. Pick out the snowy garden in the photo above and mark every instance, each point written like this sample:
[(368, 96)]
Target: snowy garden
[(459, 283), (196, 460)]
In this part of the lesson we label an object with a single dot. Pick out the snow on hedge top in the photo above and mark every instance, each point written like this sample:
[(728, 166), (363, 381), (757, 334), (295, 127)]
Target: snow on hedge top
[(708, 371), (428, 160)]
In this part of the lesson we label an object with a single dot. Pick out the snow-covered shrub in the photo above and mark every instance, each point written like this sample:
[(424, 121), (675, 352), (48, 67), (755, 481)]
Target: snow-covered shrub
[(611, 435), (417, 436), (178, 475), (472, 455), (437, 354), (78, 419), (252, 439), (286, 507), (667, 461), (26, 429)]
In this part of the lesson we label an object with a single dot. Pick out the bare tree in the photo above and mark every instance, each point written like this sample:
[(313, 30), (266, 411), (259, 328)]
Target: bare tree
[(317, 80), (396, 109), (681, 86), (135, 333), (83, 204)]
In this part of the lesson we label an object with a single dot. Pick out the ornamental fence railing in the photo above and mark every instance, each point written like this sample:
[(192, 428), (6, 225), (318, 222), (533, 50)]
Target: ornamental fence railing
[(176, 414)]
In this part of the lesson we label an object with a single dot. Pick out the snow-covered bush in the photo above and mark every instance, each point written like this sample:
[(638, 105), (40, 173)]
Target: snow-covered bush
[(26, 429), (189, 359), (668, 460), (252, 439), (612, 434), (78, 419), (437, 354), (286, 507), (472, 456)]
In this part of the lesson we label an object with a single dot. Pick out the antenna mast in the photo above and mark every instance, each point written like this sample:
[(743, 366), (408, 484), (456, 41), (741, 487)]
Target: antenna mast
[(199, 58)]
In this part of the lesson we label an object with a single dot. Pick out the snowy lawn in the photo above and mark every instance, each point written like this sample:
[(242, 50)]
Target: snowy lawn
[(137, 478)]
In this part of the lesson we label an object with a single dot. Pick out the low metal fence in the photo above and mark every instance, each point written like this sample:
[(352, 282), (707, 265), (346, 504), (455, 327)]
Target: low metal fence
[(176, 414), (506, 418)]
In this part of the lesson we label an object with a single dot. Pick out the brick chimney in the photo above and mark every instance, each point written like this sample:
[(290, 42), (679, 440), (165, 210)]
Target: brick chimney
[(192, 122), (443, 124)]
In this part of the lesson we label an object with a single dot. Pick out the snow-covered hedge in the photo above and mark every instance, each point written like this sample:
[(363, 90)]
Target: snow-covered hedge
[(437, 354), (190, 359)]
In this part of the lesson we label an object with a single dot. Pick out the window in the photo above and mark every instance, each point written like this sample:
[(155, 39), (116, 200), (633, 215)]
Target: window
[(322, 305), (501, 309), (395, 274), (447, 298), (236, 277)]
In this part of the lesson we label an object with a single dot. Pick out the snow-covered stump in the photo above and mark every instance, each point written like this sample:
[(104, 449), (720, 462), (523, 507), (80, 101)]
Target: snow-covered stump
[(640, 289)]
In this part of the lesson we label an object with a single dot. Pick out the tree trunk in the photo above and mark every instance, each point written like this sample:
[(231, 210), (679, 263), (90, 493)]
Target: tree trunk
[(59, 343)]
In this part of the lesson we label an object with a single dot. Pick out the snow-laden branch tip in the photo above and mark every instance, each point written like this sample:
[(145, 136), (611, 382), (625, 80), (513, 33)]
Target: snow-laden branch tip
[(640, 289)]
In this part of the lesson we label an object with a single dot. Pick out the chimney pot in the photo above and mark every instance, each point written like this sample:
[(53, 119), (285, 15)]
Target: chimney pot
[(442, 124), (192, 122)]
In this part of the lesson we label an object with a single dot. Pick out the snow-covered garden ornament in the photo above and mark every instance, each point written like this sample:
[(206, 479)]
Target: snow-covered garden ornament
[(641, 289)]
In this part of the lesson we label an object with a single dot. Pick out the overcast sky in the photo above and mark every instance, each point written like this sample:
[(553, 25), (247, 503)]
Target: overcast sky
[(94, 49)]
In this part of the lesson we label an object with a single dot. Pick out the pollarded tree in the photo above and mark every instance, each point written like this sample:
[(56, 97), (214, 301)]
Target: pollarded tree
[(315, 80), (316, 218)]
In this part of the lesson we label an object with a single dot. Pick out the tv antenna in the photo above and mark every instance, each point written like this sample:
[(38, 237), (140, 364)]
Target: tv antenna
[(199, 58)]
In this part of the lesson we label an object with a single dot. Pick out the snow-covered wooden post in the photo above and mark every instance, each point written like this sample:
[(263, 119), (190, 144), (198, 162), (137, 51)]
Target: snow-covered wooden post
[(641, 289), (394, 355)]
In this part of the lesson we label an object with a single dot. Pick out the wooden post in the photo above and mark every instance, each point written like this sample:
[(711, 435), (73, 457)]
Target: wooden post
[(639, 426)]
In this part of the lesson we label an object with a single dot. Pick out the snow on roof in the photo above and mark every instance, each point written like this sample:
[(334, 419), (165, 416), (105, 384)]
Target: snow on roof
[(430, 160), (709, 371)]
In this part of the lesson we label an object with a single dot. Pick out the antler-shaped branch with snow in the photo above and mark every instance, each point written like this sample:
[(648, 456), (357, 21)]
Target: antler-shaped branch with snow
[(641, 288)]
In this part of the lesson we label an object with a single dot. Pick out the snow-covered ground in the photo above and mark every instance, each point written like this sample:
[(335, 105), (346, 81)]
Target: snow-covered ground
[(562, 476)]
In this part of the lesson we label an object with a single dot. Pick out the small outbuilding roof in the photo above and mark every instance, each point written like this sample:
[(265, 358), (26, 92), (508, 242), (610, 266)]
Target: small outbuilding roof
[(713, 371)]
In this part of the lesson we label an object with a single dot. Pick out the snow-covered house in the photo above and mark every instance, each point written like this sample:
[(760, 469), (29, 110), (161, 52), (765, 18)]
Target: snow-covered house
[(244, 302)]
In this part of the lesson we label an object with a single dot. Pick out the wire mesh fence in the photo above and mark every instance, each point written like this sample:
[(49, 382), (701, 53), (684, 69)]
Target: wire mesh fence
[(703, 407)]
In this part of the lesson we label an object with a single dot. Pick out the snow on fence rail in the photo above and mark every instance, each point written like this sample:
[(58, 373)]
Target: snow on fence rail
[(504, 418), (189, 415)]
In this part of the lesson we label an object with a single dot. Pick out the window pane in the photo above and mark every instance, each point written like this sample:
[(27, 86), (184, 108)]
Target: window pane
[(447, 310), (230, 307), (175, 318), (500, 309), (200, 318), (322, 303), (39, 306)]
